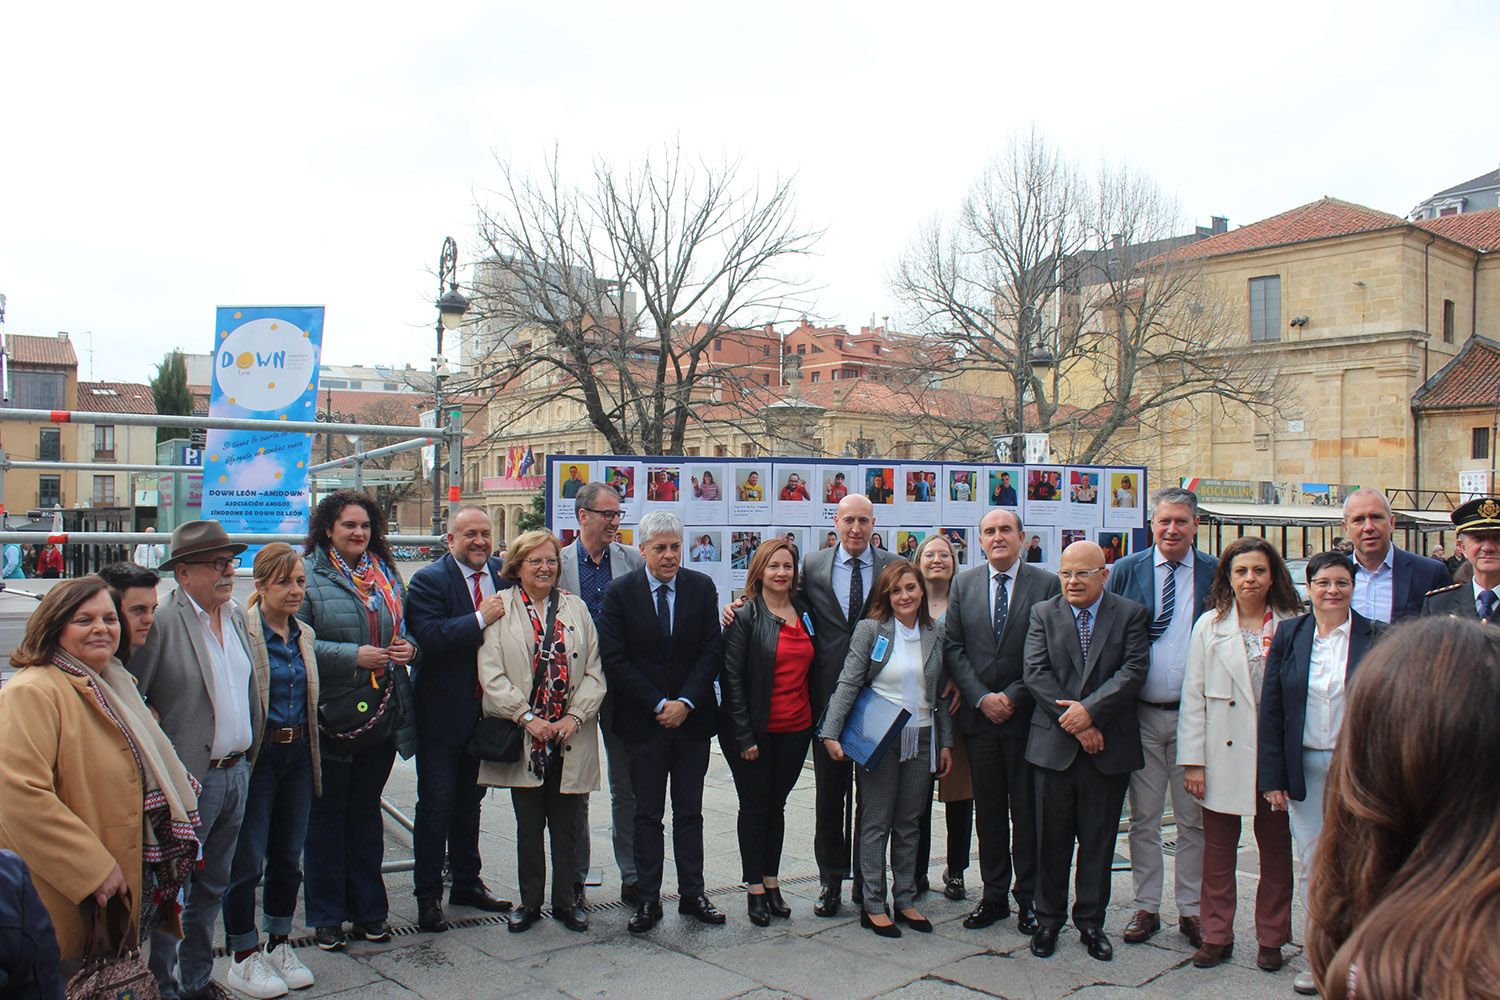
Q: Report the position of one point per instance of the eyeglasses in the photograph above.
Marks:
(608, 515)
(1078, 574)
(537, 562)
(219, 565)
(1338, 583)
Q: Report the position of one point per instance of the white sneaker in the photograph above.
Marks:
(285, 963)
(1305, 985)
(254, 977)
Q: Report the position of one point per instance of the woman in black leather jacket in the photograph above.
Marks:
(767, 715)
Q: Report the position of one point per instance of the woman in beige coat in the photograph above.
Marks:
(1251, 594)
(551, 683)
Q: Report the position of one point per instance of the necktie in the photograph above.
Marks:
(1002, 606)
(478, 594)
(856, 591)
(1168, 602)
(663, 612)
(1486, 603)
(1085, 632)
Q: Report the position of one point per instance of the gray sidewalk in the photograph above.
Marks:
(805, 956)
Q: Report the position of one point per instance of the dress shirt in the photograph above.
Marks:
(1325, 687)
(1010, 595)
(229, 665)
(286, 702)
(1479, 590)
(1169, 653)
(842, 568)
(906, 658)
(1374, 592)
(671, 616)
(593, 579)
(486, 586)
(1092, 609)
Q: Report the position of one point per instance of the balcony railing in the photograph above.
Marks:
(104, 454)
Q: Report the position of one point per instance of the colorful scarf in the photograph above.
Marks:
(375, 582)
(549, 699)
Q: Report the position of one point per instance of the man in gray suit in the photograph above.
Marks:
(989, 608)
(1087, 654)
(589, 563)
(837, 584)
(196, 673)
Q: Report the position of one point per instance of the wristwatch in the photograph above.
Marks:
(530, 715)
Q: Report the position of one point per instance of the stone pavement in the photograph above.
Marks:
(805, 956)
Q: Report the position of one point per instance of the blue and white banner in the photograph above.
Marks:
(265, 367)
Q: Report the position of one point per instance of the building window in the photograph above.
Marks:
(37, 390)
(1448, 321)
(49, 445)
(104, 491)
(719, 343)
(838, 342)
(693, 451)
(765, 380)
(721, 451)
(747, 450)
(817, 376)
(48, 491)
(801, 348)
(1481, 443)
(1265, 308)
(104, 442)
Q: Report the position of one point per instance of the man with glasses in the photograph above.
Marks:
(194, 671)
(589, 563)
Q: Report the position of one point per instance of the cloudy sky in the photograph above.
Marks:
(159, 160)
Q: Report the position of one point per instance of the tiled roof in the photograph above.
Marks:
(1319, 220)
(24, 349)
(1477, 230)
(1471, 379)
(115, 397)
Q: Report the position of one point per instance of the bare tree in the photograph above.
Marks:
(611, 294)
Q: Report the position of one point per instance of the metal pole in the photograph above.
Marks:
(390, 449)
(153, 538)
(328, 413)
(102, 467)
(455, 458)
(437, 422)
(211, 423)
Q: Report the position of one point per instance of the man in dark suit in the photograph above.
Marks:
(989, 607)
(1170, 580)
(1389, 583)
(837, 583)
(449, 604)
(1478, 524)
(659, 642)
(1087, 655)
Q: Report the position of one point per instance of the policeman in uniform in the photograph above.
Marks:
(1478, 528)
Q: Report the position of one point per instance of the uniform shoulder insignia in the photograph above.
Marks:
(1444, 590)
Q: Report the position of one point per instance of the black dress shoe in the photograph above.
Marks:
(759, 909)
(1044, 942)
(478, 897)
(919, 924)
(1097, 944)
(776, 903)
(630, 894)
(700, 909)
(571, 917)
(953, 886)
(828, 900)
(1027, 922)
(884, 930)
(521, 919)
(330, 938)
(430, 917)
(375, 930)
(646, 917)
(986, 913)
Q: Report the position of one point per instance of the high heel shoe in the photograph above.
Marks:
(760, 911)
(775, 903)
(884, 930)
(919, 923)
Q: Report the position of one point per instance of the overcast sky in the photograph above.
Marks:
(159, 160)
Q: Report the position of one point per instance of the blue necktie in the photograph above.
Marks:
(1002, 606)
(1486, 603)
(663, 612)
(1168, 603)
(1085, 632)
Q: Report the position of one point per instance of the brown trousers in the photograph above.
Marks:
(1273, 896)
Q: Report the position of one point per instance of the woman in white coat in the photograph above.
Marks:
(1251, 594)
(549, 681)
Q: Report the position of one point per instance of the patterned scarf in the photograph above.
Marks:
(375, 582)
(549, 699)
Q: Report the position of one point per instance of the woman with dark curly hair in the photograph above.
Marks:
(1405, 893)
(355, 605)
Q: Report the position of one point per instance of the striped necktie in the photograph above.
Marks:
(1168, 602)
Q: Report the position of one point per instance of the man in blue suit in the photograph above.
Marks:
(1171, 580)
(1389, 583)
(449, 604)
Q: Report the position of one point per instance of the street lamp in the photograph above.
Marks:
(451, 305)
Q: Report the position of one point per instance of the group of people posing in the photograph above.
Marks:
(206, 749)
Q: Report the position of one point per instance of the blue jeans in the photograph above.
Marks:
(221, 807)
(346, 841)
(447, 822)
(271, 839)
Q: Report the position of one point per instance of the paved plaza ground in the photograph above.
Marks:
(805, 956)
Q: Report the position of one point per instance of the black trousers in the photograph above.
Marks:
(959, 819)
(547, 810)
(1005, 813)
(669, 755)
(832, 804)
(763, 785)
(1076, 805)
(447, 820)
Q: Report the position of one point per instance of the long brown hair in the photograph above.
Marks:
(880, 601)
(756, 574)
(1281, 598)
(45, 626)
(1405, 886)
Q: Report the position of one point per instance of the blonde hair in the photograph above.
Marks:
(522, 546)
(276, 561)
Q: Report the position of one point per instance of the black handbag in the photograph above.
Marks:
(500, 740)
(364, 717)
(112, 964)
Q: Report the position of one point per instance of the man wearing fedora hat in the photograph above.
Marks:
(195, 671)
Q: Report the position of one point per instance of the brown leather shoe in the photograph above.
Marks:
(1269, 959)
(1210, 955)
(1192, 929)
(1141, 927)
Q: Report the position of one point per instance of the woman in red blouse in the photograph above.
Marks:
(767, 720)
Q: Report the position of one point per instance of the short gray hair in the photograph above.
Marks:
(658, 522)
(589, 492)
(1173, 494)
(1365, 491)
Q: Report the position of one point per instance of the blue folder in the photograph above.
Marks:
(874, 723)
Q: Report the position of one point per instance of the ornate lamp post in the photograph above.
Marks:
(451, 305)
